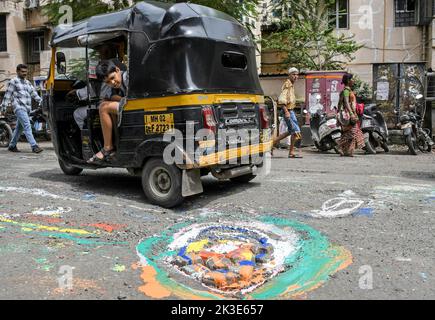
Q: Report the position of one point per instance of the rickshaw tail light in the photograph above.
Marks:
(209, 120)
(264, 118)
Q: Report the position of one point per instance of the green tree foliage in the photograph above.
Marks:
(83, 9)
(362, 90)
(307, 37)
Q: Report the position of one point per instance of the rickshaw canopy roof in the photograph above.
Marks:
(158, 21)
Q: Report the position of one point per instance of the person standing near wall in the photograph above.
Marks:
(287, 101)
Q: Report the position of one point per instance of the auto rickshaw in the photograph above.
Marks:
(193, 85)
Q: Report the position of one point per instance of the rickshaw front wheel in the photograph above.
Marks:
(162, 183)
(69, 170)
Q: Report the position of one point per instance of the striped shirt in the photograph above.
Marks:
(20, 92)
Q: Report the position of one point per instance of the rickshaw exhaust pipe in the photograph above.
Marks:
(232, 173)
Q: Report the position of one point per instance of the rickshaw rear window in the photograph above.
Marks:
(234, 60)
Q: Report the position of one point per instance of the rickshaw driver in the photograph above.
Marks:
(112, 76)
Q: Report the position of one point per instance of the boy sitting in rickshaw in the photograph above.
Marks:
(117, 80)
(108, 51)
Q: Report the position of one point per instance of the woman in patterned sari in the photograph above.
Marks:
(352, 136)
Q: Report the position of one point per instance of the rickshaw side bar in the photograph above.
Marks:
(50, 80)
(229, 154)
(161, 104)
(226, 155)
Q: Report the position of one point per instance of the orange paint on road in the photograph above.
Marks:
(152, 287)
(106, 227)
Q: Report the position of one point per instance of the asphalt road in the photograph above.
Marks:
(378, 210)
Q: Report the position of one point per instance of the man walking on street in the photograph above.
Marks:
(20, 92)
(287, 100)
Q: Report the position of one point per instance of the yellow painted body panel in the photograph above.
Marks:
(163, 103)
(226, 155)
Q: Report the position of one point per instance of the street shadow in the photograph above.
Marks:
(213, 190)
(429, 176)
(117, 183)
(105, 183)
(398, 153)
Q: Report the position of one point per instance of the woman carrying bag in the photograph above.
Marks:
(352, 136)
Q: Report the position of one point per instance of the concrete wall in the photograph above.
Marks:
(272, 87)
(372, 23)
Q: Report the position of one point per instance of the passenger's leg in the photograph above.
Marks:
(106, 122)
(106, 108)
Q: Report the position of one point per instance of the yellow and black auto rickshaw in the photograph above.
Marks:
(194, 104)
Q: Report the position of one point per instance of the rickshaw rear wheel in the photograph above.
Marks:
(162, 183)
(69, 170)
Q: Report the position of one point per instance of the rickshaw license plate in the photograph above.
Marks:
(159, 123)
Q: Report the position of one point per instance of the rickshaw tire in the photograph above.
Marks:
(243, 179)
(174, 198)
(69, 170)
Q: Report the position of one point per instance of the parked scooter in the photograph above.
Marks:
(375, 129)
(5, 131)
(325, 130)
(416, 137)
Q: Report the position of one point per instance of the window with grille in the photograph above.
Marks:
(36, 44)
(3, 38)
(404, 13)
(339, 14)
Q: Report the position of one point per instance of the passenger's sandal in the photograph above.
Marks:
(106, 155)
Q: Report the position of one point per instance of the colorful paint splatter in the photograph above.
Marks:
(77, 235)
(265, 259)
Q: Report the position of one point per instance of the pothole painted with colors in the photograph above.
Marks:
(268, 258)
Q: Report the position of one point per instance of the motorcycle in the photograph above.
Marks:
(5, 131)
(39, 124)
(374, 128)
(416, 137)
(325, 130)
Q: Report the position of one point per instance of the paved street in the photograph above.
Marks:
(377, 211)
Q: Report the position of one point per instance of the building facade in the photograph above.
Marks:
(24, 35)
(389, 30)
